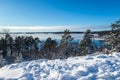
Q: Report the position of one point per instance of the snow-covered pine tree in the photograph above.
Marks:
(66, 37)
(19, 58)
(3, 44)
(37, 48)
(3, 61)
(113, 39)
(65, 48)
(1, 58)
(86, 44)
(49, 48)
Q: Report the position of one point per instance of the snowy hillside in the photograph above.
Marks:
(91, 67)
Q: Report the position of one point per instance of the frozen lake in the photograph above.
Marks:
(43, 36)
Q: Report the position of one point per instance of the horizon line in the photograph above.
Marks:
(54, 28)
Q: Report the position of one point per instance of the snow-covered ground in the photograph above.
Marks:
(91, 67)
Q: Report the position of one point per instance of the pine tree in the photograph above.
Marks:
(113, 39)
(86, 44)
(49, 48)
(1, 58)
(3, 44)
(19, 58)
(66, 37)
(65, 47)
(3, 61)
(37, 48)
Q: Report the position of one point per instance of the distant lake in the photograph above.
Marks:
(43, 36)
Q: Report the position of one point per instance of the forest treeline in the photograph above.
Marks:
(22, 48)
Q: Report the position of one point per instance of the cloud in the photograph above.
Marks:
(52, 28)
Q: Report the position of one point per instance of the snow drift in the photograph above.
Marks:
(91, 67)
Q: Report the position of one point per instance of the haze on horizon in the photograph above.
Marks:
(57, 15)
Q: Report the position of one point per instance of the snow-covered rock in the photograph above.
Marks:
(91, 67)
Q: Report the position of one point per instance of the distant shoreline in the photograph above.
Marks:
(76, 32)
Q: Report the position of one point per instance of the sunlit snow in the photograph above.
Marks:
(92, 67)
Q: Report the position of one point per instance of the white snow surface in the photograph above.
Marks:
(92, 67)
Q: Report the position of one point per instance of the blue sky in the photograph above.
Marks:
(77, 14)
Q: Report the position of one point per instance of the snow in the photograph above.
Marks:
(96, 66)
(10, 72)
(44, 36)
